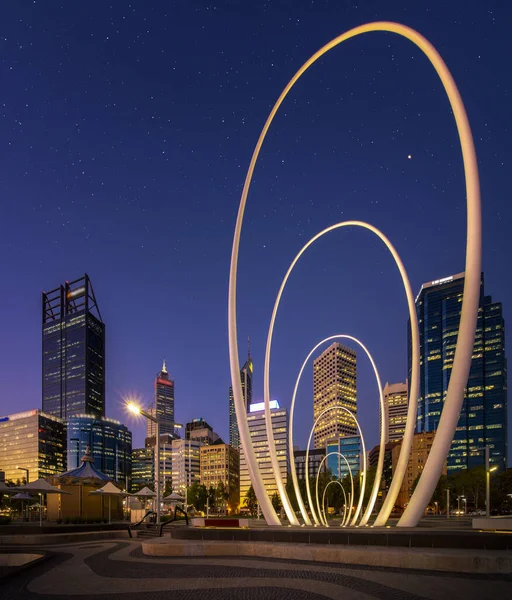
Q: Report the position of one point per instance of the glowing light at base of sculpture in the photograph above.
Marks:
(318, 475)
(463, 353)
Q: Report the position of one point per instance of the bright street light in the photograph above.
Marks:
(133, 408)
(137, 410)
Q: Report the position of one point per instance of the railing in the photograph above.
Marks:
(177, 509)
(133, 525)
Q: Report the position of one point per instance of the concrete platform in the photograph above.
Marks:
(493, 523)
(460, 561)
(46, 539)
(365, 536)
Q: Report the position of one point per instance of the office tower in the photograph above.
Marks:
(110, 444)
(246, 381)
(256, 422)
(143, 469)
(162, 408)
(32, 440)
(396, 405)
(421, 445)
(350, 447)
(483, 417)
(200, 431)
(220, 463)
(316, 455)
(185, 464)
(334, 384)
(73, 351)
(165, 470)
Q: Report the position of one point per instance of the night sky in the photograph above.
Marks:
(126, 130)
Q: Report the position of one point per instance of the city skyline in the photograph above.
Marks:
(185, 324)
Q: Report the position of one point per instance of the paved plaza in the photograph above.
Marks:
(118, 570)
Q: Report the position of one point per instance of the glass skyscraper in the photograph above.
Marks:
(483, 417)
(73, 351)
(350, 447)
(163, 406)
(110, 443)
(246, 381)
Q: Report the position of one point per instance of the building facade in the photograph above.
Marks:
(334, 385)
(200, 431)
(395, 404)
(246, 381)
(186, 464)
(421, 445)
(256, 422)
(483, 417)
(220, 463)
(316, 456)
(166, 440)
(162, 408)
(350, 447)
(143, 469)
(32, 440)
(110, 443)
(73, 351)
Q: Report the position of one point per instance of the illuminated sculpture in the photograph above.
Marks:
(465, 340)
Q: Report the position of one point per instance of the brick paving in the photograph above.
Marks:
(118, 570)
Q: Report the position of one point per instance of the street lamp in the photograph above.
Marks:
(137, 410)
(488, 471)
(26, 471)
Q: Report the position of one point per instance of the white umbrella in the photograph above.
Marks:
(22, 496)
(41, 487)
(109, 490)
(174, 497)
(145, 492)
(5, 489)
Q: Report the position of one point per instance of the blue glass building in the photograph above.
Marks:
(110, 443)
(483, 418)
(350, 447)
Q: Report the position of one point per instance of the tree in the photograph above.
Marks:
(276, 502)
(196, 496)
(167, 488)
(251, 501)
(221, 496)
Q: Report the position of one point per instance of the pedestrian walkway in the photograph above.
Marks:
(116, 570)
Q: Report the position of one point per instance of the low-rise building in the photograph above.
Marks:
(220, 464)
(32, 440)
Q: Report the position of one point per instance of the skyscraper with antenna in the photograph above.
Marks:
(246, 381)
(162, 407)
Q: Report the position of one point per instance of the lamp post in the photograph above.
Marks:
(447, 503)
(26, 471)
(137, 410)
(488, 471)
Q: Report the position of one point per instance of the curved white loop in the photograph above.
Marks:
(466, 336)
(318, 475)
(413, 392)
(344, 506)
(363, 449)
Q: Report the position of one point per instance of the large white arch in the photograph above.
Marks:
(466, 337)
(363, 449)
(318, 475)
(413, 391)
(344, 507)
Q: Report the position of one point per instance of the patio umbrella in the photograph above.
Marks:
(21, 496)
(174, 497)
(5, 489)
(145, 492)
(109, 490)
(41, 487)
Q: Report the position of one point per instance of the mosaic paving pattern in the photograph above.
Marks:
(116, 570)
